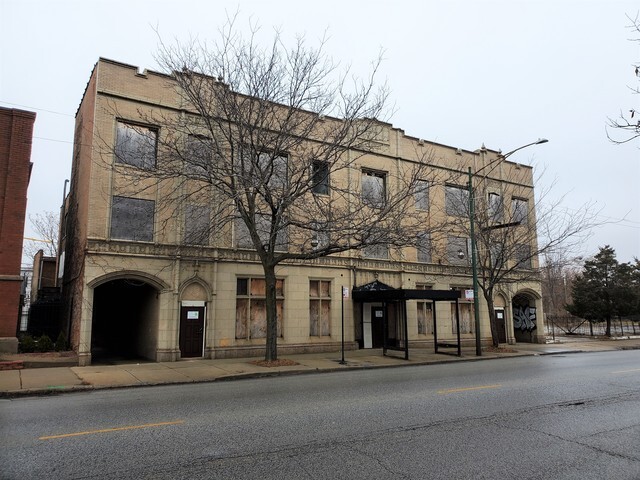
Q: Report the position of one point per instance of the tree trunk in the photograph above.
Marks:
(608, 329)
(271, 350)
(621, 326)
(488, 296)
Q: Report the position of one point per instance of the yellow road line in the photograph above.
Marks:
(628, 371)
(466, 389)
(106, 430)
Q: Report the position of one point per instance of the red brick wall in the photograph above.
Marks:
(16, 133)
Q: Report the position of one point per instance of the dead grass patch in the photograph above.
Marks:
(274, 363)
(499, 350)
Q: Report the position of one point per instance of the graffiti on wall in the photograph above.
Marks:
(524, 318)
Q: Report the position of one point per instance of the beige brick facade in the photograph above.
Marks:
(139, 293)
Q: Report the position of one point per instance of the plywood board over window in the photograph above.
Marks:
(457, 250)
(422, 195)
(196, 224)
(319, 308)
(425, 313)
(135, 145)
(376, 251)
(495, 207)
(520, 210)
(456, 200)
(263, 228)
(466, 318)
(132, 219)
(424, 247)
(251, 307)
(374, 192)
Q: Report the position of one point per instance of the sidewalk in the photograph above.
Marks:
(56, 379)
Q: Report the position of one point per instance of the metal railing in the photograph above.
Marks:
(568, 325)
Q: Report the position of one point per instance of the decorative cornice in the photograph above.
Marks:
(212, 254)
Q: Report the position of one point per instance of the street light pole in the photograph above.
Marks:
(474, 264)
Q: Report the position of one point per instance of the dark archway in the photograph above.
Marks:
(525, 322)
(124, 322)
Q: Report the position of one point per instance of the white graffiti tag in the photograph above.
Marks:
(524, 318)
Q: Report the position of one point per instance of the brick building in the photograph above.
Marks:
(16, 133)
(139, 282)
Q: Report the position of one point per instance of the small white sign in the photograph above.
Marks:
(379, 314)
(345, 292)
(468, 294)
(193, 315)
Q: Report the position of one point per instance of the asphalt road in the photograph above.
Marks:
(551, 417)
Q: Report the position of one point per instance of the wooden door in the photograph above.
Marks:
(502, 329)
(191, 332)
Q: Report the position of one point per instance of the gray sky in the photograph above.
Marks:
(462, 73)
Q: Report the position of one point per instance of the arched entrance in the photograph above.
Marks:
(124, 321)
(193, 320)
(525, 322)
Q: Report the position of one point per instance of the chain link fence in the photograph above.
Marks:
(568, 325)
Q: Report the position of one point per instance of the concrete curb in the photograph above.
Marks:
(253, 375)
(304, 370)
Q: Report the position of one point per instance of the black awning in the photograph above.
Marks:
(380, 292)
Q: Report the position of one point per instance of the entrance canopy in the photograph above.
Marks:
(377, 291)
(380, 292)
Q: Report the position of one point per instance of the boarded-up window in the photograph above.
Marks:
(136, 145)
(466, 317)
(319, 308)
(519, 210)
(456, 200)
(422, 195)
(424, 248)
(522, 255)
(198, 156)
(262, 170)
(380, 251)
(457, 250)
(425, 313)
(374, 188)
(196, 225)
(497, 252)
(320, 235)
(494, 207)
(132, 219)
(242, 238)
(251, 307)
(274, 169)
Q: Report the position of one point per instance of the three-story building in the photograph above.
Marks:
(142, 278)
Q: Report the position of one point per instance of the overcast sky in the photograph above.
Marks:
(462, 73)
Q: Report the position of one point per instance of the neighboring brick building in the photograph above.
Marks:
(135, 285)
(16, 133)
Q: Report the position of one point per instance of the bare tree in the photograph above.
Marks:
(558, 271)
(629, 124)
(46, 226)
(272, 139)
(512, 229)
